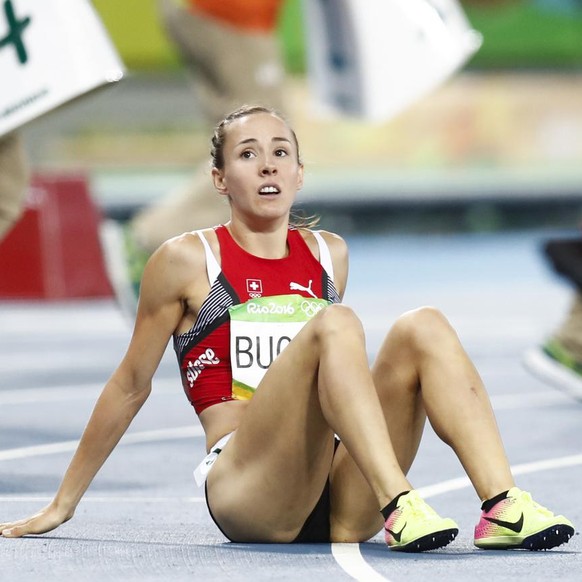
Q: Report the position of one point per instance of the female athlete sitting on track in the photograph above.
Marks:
(233, 297)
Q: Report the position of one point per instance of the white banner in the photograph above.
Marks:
(51, 51)
(374, 58)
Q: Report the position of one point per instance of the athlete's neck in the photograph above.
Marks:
(267, 244)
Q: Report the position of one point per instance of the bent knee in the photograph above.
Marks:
(425, 327)
(338, 318)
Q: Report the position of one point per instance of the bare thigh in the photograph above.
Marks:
(268, 479)
(282, 452)
(421, 372)
(355, 515)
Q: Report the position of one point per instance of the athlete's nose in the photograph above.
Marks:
(268, 169)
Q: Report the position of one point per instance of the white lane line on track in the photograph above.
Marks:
(165, 386)
(164, 434)
(78, 392)
(522, 469)
(348, 556)
(351, 561)
(425, 492)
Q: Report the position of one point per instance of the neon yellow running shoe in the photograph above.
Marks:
(519, 522)
(414, 526)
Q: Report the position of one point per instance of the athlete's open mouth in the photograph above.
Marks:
(269, 190)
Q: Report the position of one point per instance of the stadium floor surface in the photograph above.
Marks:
(143, 517)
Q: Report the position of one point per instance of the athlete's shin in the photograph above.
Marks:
(350, 403)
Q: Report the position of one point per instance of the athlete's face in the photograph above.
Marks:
(261, 172)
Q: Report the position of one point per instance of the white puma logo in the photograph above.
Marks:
(297, 287)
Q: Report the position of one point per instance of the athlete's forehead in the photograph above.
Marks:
(258, 127)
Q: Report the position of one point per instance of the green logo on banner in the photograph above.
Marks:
(15, 29)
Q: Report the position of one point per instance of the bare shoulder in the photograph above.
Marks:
(172, 257)
(185, 251)
(175, 266)
(336, 244)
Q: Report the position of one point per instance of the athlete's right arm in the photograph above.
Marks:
(169, 278)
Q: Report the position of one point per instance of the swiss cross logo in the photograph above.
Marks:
(254, 287)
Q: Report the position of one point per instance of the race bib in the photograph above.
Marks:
(260, 329)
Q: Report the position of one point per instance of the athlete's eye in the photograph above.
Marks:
(280, 153)
(247, 154)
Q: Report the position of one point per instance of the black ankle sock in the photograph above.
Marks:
(489, 503)
(386, 511)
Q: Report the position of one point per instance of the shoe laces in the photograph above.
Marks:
(418, 507)
(526, 498)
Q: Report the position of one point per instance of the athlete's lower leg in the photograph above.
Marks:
(449, 389)
(350, 403)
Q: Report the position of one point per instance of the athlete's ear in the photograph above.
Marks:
(300, 177)
(218, 180)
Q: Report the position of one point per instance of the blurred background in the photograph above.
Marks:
(498, 146)
(447, 204)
